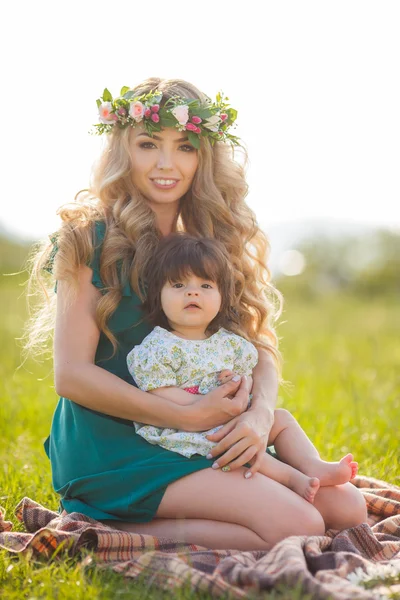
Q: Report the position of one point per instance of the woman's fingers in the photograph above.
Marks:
(237, 456)
(220, 434)
(236, 438)
(256, 464)
(245, 457)
(224, 373)
(232, 406)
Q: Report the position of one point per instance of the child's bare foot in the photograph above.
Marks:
(304, 486)
(332, 473)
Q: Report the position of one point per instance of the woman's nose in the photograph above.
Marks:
(165, 160)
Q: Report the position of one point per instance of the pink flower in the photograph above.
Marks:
(191, 127)
(155, 108)
(147, 113)
(181, 113)
(122, 111)
(155, 117)
(198, 130)
(136, 111)
(224, 116)
(105, 114)
(196, 120)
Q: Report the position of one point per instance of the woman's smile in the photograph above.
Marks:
(165, 184)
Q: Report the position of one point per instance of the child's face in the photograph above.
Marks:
(177, 298)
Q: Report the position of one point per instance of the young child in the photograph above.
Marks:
(192, 349)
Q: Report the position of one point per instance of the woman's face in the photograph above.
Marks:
(157, 160)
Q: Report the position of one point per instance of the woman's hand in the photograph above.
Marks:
(218, 406)
(243, 440)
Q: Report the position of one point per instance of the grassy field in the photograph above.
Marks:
(341, 359)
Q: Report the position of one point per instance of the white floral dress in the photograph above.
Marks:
(164, 359)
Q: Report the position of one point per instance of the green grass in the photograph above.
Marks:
(341, 359)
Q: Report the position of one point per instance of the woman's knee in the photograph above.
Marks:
(342, 506)
(301, 519)
(357, 505)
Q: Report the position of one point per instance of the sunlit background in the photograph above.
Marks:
(315, 84)
(317, 89)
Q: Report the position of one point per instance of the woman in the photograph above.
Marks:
(146, 186)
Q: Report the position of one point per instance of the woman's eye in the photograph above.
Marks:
(187, 147)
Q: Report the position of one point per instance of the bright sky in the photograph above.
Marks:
(316, 85)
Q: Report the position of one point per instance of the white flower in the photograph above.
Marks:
(384, 573)
(136, 111)
(181, 113)
(356, 576)
(212, 123)
(105, 114)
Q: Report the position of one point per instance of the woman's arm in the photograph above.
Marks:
(79, 379)
(265, 387)
(180, 396)
(176, 395)
(244, 439)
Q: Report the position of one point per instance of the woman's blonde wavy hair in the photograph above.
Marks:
(213, 207)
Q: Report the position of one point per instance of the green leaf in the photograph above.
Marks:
(232, 114)
(124, 90)
(107, 96)
(203, 113)
(129, 95)
(164, 114)
(194, 139)
(98, 102)
(168, 121)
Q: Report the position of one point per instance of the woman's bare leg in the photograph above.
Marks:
(203, 532)
(341, 506)
(295, 448)
(268, 509)
(250, 514)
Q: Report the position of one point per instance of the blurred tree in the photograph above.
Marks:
(367, 265)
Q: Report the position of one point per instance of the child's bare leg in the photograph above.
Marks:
(294, 447)
(304, 486)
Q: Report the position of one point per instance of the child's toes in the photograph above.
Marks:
(347, 459)
(354, 469)
(312, 489)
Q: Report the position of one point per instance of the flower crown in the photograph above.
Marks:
(198, 119)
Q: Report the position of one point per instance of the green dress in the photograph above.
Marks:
(100, 466)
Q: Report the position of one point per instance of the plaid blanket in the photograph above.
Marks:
(319, 566)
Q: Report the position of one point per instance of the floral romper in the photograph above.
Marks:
(164, 359)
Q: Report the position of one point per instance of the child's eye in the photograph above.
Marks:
(208, 285)
(177, 285)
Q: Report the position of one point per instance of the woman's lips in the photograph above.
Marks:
(165, 187)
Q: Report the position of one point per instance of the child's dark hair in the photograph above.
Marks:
(179, 255)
